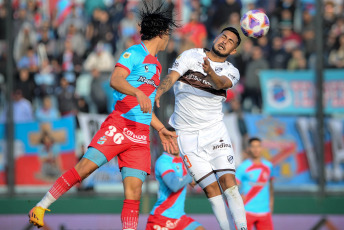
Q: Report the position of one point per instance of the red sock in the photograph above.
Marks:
(130, 214)
(64, 183)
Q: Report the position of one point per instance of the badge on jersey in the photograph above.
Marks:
(126, 55)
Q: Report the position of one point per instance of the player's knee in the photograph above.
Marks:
(212, 190)
(227, 181)
(85, 167)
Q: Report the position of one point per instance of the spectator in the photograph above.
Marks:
(251, 82)
(82, 105)
(98, 95)
(290, 39)
(224, 11)
(103, 32)
(22, 109)
(69, 60)
(101, 59)
(297, 60)
(77, 40)
(244, 57)
(25, 84)
(47, 112)
(48, 41)
(194, 32)
(278, 58)
(26, 38)
(66, 98)
(29, 61)
(336, 58)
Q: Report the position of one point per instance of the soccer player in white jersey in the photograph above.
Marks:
(201, 78)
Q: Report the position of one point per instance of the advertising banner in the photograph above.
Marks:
(42, 151)
(290, 143)
(294, 92)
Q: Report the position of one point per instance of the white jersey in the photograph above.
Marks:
(198, 104)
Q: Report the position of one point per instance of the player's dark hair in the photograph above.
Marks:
(252, 139)
(155, 22)
(233, 30)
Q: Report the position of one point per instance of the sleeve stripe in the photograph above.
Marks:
(123, 66)
(167, 171)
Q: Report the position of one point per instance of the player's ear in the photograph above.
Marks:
(233, 52)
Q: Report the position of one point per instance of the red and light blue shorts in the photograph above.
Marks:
(260, 221)
(126, 139)
(161, 222)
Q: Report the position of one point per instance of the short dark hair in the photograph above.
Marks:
(155, 22)
(235, 31)
(253, 139)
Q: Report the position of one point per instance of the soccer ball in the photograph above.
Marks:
(255, 24)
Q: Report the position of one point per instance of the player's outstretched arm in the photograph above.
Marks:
(118, 82)
(165, 85)
(175, 182)
(168, 138)
(219, 82)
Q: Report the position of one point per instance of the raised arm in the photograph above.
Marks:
(118, 82)
(165, 85)
(219, 82)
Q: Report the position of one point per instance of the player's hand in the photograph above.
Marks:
(206, 66)
(193, 184)
(144, 102)
(168, 141)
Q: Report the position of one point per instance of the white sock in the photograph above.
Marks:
(229, 215)
(220, 211)
(46, 201)
(236, 206)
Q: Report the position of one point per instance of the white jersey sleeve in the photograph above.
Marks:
(233, 75)
(182, 63)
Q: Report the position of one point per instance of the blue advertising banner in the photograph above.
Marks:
(42, 151)
(290, 144)
(293, 92)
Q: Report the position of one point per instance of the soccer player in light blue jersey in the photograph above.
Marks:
(125, 132)
(255, 177)
(168, 212)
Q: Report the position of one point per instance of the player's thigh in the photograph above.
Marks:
(136, 157)
(109, 140)
(264, 222)
(222, 155)
(251, 219)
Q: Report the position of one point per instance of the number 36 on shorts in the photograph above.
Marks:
(117, 137)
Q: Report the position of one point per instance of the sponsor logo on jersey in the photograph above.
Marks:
(147, 81)
(222, 146)
(218, 69)
(175, 64)
(194, 77)
(134, 137)
(126, 55)
(102, 140)
(146, 68)
(230, 159)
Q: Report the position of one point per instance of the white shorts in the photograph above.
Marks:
(207, 153)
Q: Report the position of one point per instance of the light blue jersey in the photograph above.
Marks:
(254, 180)
(170, 204)
(144, 73)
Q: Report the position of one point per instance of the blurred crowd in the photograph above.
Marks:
(64, 50)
